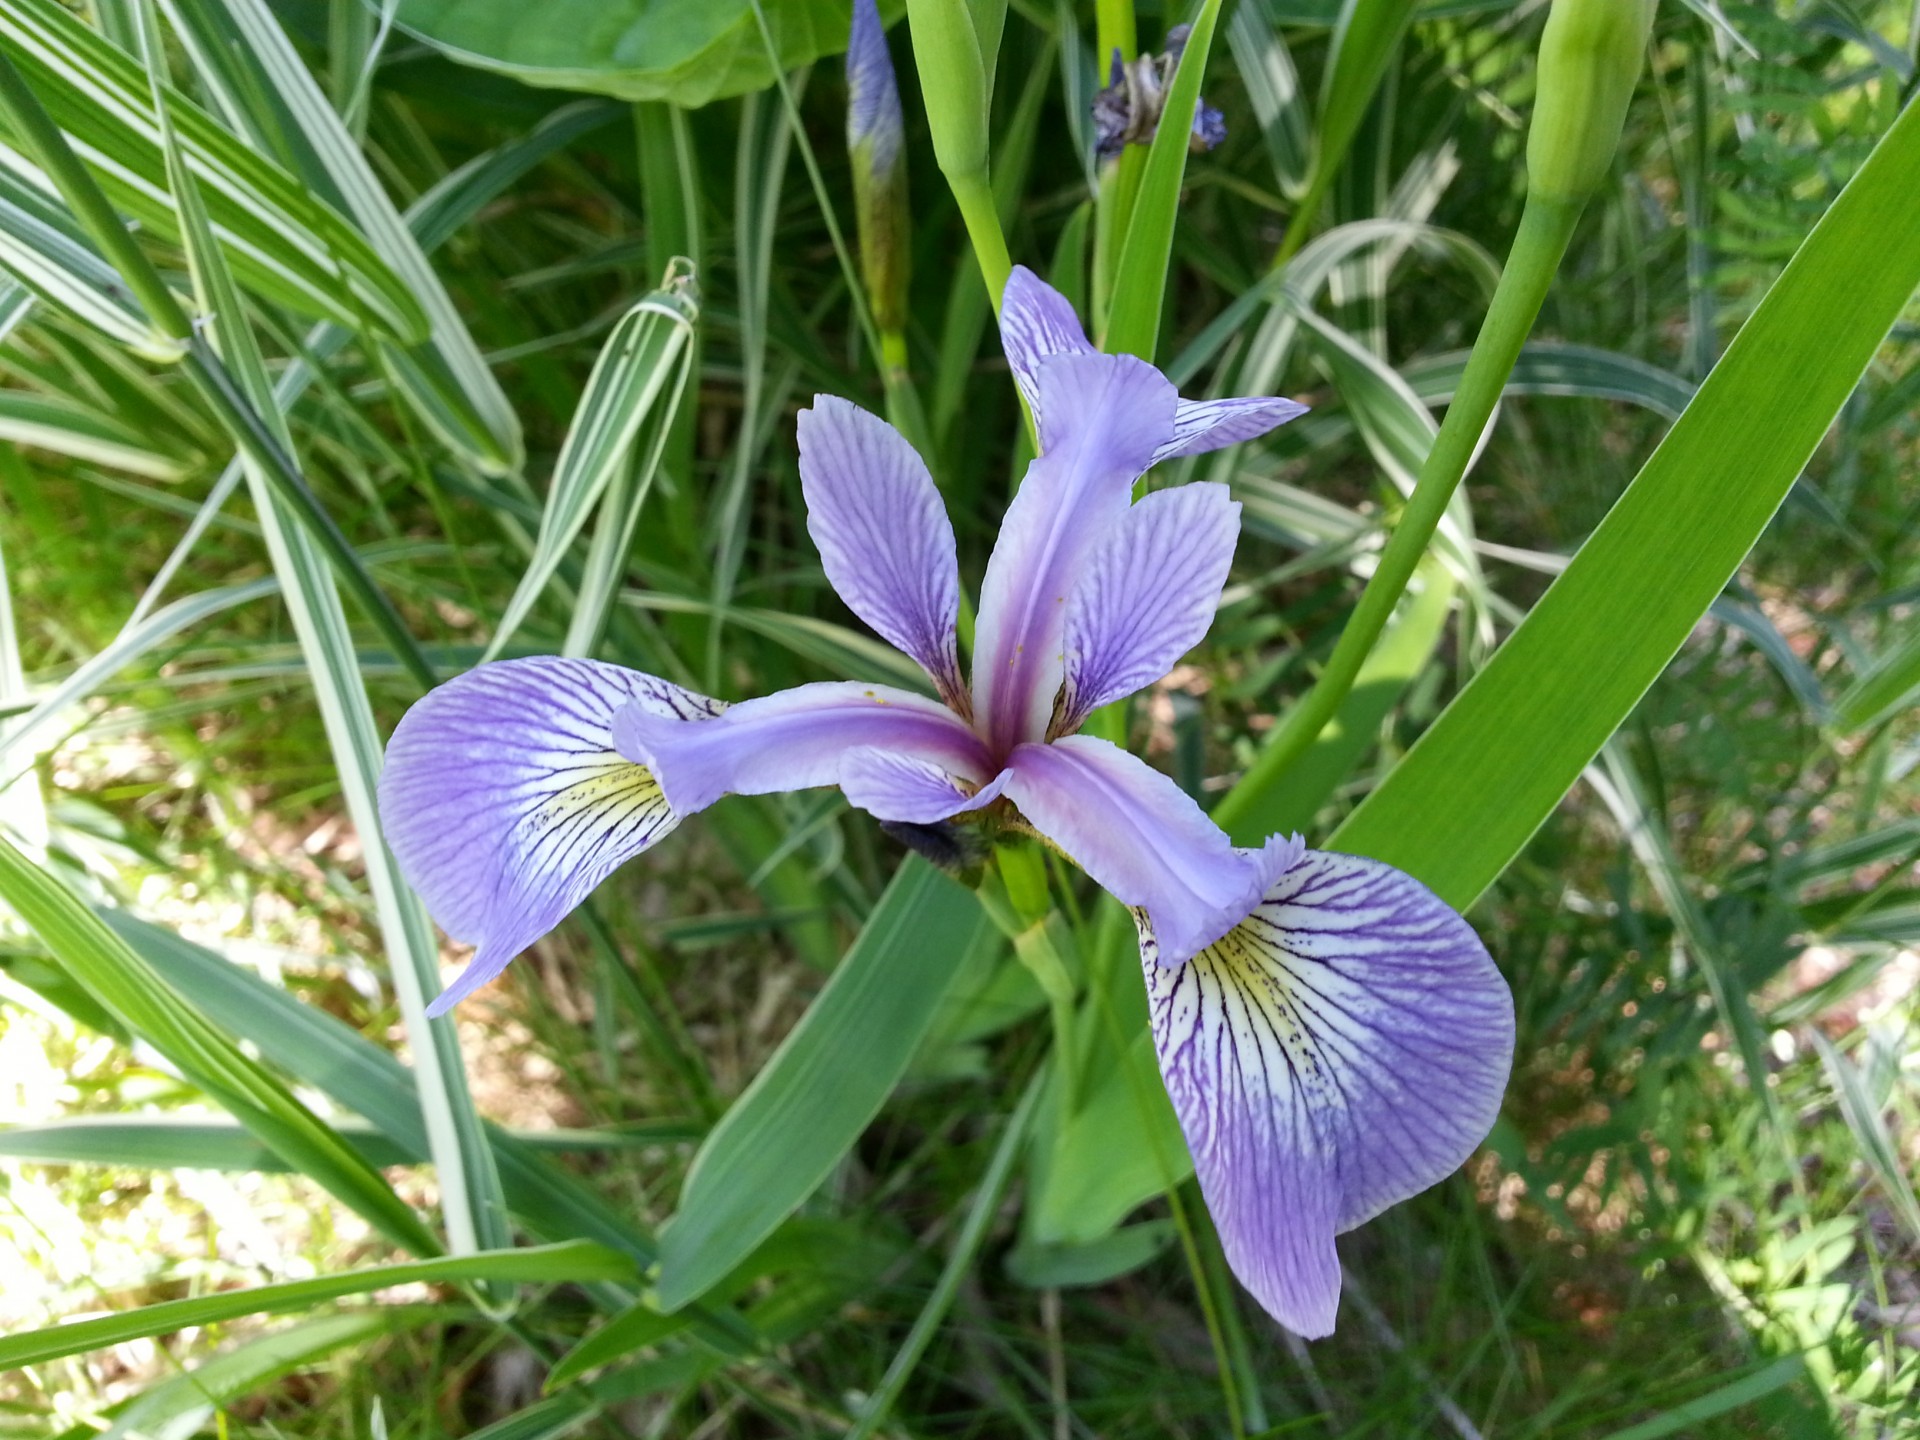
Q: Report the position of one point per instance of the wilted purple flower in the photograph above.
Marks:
(1333, 1037)
(1128, 111)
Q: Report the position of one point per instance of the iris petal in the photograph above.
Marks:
(795, 740)
(1202, 425)
(1142, 839)
(505, 802)
(1036, 323)
(903, 789)
(1344, 1047)
(1104, 417)
(883, 534)
(1146, 596)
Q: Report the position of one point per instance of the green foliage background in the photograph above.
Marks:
(1697, 1214)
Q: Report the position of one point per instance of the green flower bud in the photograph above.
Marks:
(954, 81)
(1590, 58)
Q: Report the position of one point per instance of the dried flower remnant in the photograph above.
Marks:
(1128, 111)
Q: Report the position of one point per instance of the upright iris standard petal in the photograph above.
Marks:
(883, 535)
(506, 803)
(1036, 323)
(906, 790)
(1202, 425)
(1343, 1048)
(1146, 596)
(1143, 839)
(1103, 416)
(794, 740)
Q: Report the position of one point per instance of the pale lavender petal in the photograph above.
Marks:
(892, 786)
(883, 534)
(1147, 595)
(1104, 416)
(1202, 425)
(1036, 323)
(1143, 839)
(795, 740)
(1344, 1047)
(505, 802)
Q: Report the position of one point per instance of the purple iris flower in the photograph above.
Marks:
(1334, 1038)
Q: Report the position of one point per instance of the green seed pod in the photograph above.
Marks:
(1590, 58)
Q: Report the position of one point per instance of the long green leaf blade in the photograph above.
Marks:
(824, 1084)
(1491, 769)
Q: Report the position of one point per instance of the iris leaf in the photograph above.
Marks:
(824, 1084)
(1491, 769)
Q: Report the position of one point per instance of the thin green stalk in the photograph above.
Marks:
(1113, 30)
(856, 292)
(982, 219)
(1545, 228)
(986, 1204)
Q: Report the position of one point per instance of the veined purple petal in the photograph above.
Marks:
(883, 534)
(1101, 420)
(1142, 839)
(1202, 425)
(873, 97)
(506, 803)
(1344, 1047)
(1146, 596)
(794, 740)
(891, 786)
(1036, 323)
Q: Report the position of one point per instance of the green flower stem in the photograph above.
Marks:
(1113, 30)
(1546, 225)
(982, 218)
(1112, 215)
(243, 424)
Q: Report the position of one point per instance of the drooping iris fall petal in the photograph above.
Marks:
(505, 802)
(1143, 839)
(1342, 1048)
(794, 740)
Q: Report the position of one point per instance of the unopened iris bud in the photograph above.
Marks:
(1590, 58)
(875, 140)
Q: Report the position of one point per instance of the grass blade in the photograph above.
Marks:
(127, 987)
(470, 1186)
(282, 240)
(486, 416)
(642, 361)
(574, 1262)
